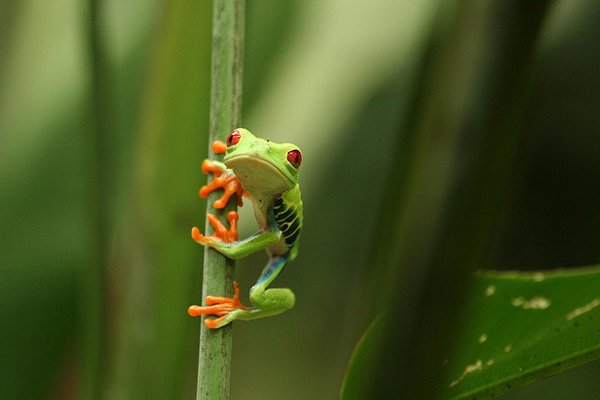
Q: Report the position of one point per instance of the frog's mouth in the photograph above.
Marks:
(259, 175)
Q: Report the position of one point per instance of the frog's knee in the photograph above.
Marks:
(272, 299)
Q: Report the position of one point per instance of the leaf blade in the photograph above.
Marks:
(519, 328)
(365, 353)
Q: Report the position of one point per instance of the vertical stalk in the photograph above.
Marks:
(214, 363)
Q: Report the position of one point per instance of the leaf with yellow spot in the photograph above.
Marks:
(535, 324)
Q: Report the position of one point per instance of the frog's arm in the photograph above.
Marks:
(221, 240)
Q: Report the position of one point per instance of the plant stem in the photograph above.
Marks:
(214, 362)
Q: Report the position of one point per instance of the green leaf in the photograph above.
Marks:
(364, 356)
(519, 328)
(155, 270)
(516, 328)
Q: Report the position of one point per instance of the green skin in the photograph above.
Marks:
(263, 170)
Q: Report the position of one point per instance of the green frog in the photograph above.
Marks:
(267, 173)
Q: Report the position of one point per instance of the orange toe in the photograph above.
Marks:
(194, 311)
(212, 323)
(212, 300)
(196, 235)
(219, 305)
(219, 147)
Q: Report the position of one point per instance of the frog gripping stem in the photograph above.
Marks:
(221, 234)
(222, 307)
(223, 180)
(270, 171)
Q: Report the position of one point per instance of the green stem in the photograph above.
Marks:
(214, 362)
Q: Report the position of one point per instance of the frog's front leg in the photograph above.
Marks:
(266, 302)
(225, 241)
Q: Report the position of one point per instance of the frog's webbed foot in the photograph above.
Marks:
(222, 234)
(223, 179)
(225, 308)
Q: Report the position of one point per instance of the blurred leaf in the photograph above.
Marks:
(325, 91)
(579, 383)
(336, 59)
(270, 25)
(519, 328)
(552, 216)
(440, 212)
(157, 266)
(366, 354)
(43, 191)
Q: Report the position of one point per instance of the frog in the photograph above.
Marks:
(266, 173)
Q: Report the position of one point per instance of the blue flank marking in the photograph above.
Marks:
(272, 220)
(274, 265)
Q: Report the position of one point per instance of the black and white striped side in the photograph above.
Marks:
(288, 219)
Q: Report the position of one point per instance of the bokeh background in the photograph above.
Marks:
(412, 116)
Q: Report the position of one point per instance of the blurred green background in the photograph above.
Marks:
(412, 117)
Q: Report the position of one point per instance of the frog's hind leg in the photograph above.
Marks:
(265, 302)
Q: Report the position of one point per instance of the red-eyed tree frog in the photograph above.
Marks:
(267, 173)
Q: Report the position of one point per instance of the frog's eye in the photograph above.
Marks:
(233, 138)
(294, 157)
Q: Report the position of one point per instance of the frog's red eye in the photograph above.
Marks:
(295, 158)
(233, 138)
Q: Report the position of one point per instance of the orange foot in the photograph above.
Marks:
(222, 180)
(221, 234)
(220, 306)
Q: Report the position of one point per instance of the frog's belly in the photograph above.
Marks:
(261, 208)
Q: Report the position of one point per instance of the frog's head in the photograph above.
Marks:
(261, 166)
